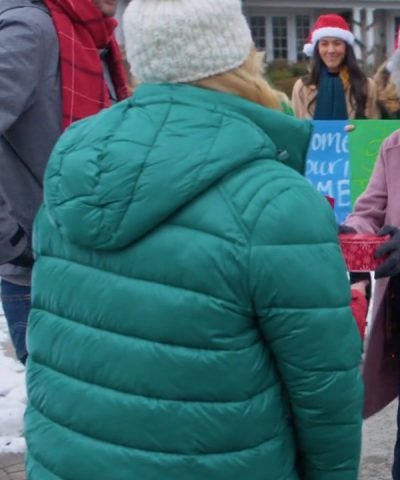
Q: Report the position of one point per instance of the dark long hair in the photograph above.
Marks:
(358, 80)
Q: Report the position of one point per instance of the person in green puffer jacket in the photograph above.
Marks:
(191, 314)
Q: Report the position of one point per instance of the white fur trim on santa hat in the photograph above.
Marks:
(185, 40)
(335, 32)
(308, 49)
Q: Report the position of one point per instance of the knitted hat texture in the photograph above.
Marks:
(184, 40)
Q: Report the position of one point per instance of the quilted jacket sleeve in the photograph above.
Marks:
(301, 297)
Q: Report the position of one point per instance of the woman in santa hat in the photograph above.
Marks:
(336, 88)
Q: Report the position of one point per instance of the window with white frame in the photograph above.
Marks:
(280, 37)
(302, 31)
(257, 27)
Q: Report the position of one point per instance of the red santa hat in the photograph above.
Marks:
(329, 25)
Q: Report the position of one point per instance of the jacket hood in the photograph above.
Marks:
(116, 176)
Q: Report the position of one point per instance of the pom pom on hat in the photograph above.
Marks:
(329, 25)
(308, 48)
(185, 40)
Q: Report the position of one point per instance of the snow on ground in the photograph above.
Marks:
(12, 397)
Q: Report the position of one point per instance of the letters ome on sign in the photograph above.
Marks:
(328, 164)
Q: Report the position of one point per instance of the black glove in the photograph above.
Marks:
(25, 259)
(346, 229)
(391, 266)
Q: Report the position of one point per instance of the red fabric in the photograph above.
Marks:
(359, 307)
(82, 31)
(359, 250)
(331, 201)
(330, 20)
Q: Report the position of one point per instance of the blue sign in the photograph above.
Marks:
(328, 164)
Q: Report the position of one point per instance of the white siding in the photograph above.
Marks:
(383, 30)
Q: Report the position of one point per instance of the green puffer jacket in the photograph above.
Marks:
(191, 314)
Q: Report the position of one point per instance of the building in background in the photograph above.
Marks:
(280, 27)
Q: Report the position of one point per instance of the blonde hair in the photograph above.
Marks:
(388, 88)
(246, 81)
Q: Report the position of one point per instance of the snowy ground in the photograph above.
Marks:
(379, 435)
(12, 397)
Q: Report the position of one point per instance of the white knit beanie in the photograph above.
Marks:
(184, 40)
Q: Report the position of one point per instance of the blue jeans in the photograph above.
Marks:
(16, 300)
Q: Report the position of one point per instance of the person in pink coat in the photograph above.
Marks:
(377, 210)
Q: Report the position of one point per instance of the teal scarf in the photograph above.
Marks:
(331, 100)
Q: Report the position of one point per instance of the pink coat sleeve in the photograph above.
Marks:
(369, 211)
